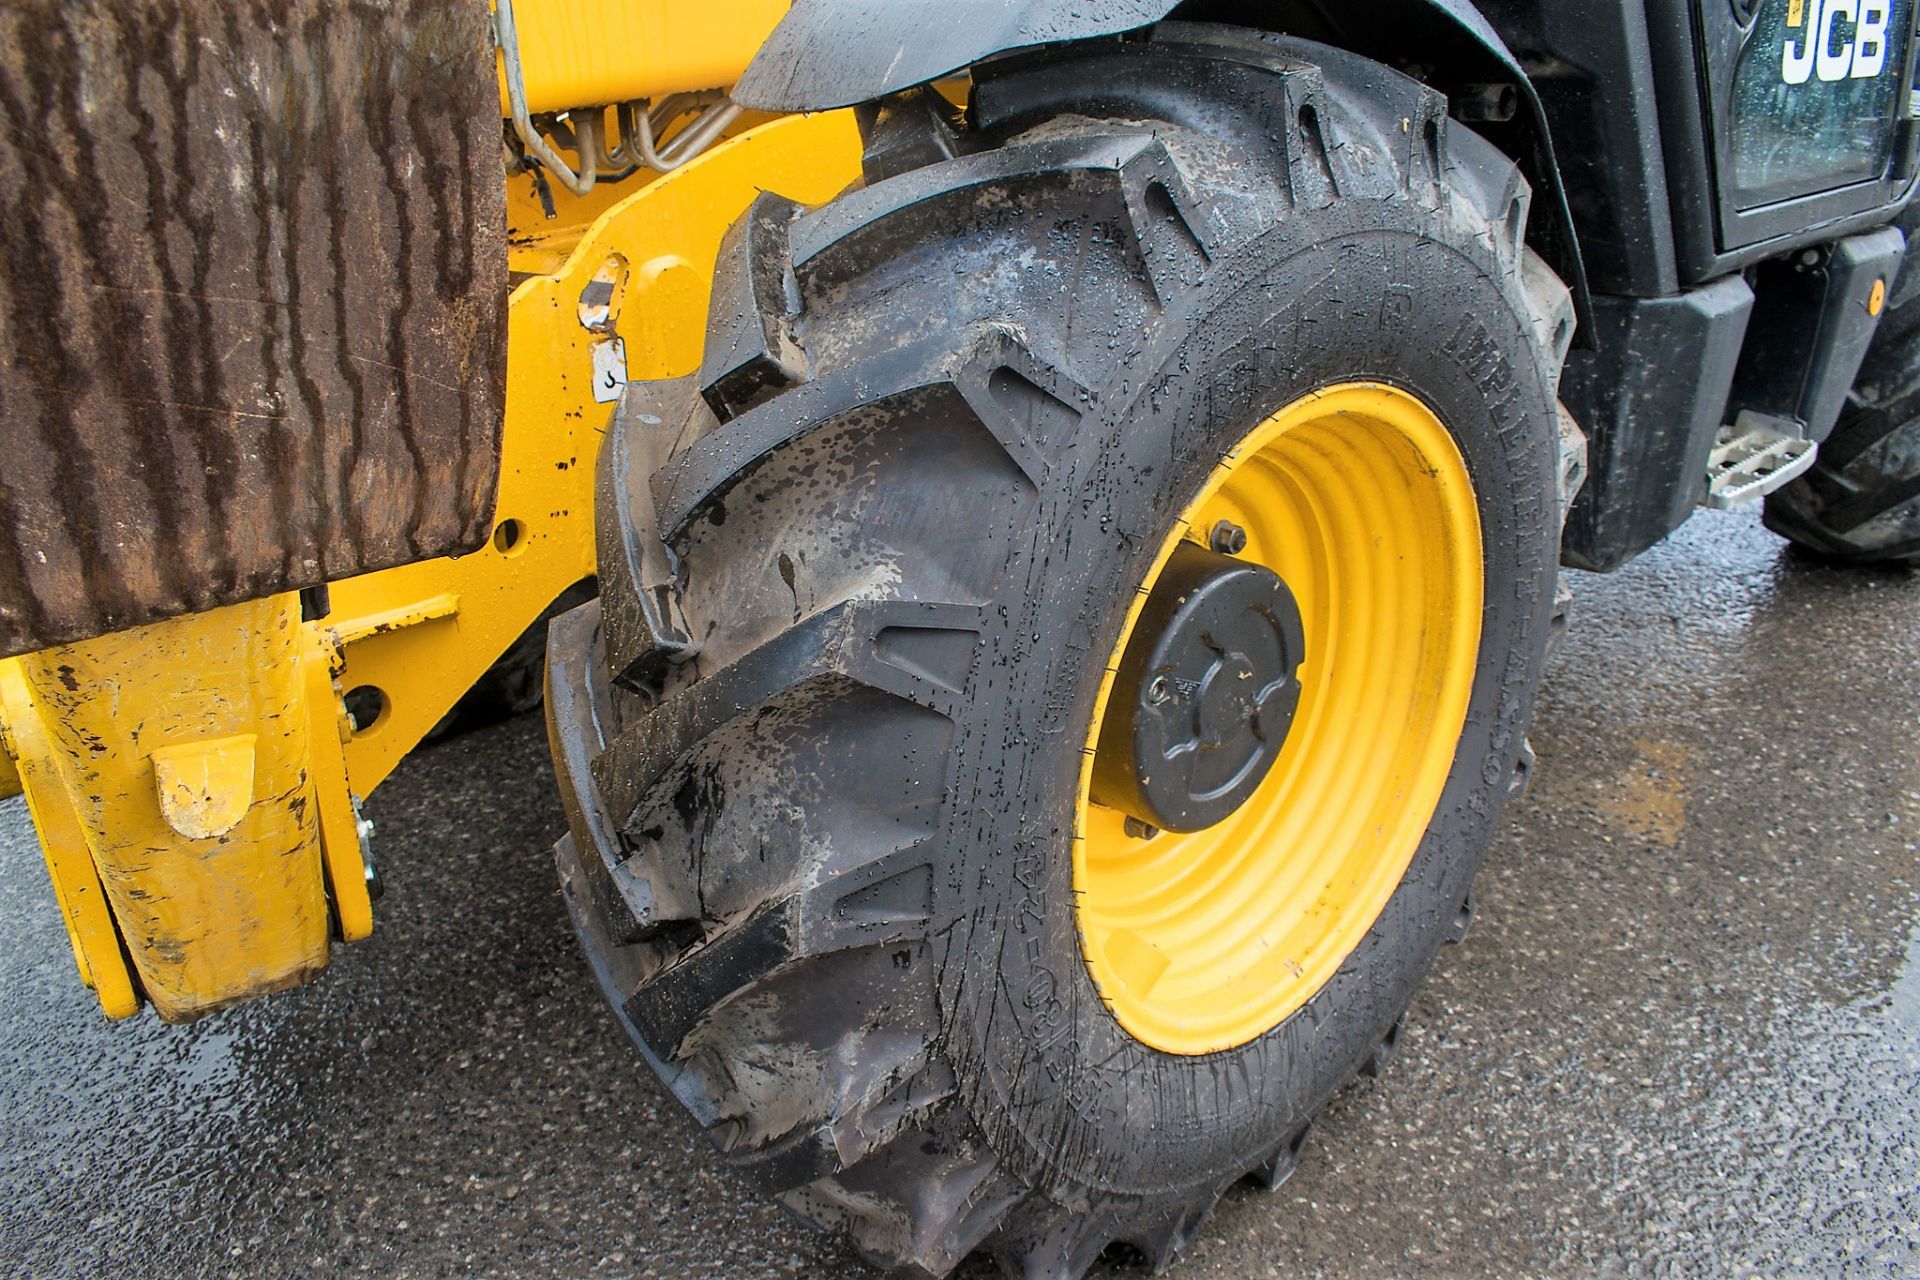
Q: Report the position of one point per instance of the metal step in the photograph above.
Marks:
(1755, 456)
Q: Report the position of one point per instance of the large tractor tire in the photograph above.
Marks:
(1860, 501)
(1062, 659)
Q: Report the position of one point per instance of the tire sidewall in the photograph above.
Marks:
(1387, 291)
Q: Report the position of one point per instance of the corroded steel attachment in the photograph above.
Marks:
(254, 309)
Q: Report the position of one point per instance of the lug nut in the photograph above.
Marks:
(1158, 690)
(1228, 538)
(1139, 830)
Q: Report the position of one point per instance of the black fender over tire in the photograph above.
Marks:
(819, 737)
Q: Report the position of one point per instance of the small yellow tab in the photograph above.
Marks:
(1877, 298)
(205, 787)
(411, 614)
(1136, 961)
(1796, 10)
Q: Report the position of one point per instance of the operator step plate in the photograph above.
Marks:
(1753, 457)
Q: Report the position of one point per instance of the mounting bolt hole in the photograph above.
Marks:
(597, 299)
(367, 708)
(509, 537)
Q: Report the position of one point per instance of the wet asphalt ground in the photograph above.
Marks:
(1682, 1039)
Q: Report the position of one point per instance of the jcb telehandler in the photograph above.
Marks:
(1050, 512)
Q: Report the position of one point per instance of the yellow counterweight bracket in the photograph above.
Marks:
(171, 770)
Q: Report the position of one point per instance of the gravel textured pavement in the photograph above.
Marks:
(1682, 1039)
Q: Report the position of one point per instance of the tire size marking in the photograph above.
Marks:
(1042, 994)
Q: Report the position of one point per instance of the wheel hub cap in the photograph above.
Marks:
(1206, 691)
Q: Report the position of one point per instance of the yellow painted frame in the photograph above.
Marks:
(423, 633)
(582, 53)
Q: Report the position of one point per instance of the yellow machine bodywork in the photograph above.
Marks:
(187, 759)
(196, 782)
(582, 53)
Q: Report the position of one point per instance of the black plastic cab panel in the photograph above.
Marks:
(1650, 395)
(1594, 73)
(1728, 212)
(1816, 314)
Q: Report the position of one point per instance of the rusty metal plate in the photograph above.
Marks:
(252, 300)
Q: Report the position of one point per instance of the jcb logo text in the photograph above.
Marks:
(1837, 40)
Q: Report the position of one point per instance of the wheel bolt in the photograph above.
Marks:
(1228, 538)
(1158, 690)
(1139, 830)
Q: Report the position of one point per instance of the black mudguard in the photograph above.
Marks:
(836, 53)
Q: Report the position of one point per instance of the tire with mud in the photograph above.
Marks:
(821, 739)
(1860, 501)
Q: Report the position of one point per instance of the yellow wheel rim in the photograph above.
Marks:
(1358, 498)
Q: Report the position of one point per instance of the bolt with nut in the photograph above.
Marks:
(1227, 538)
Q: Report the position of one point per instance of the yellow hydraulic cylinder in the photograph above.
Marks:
(183, 749)
(588, 53)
